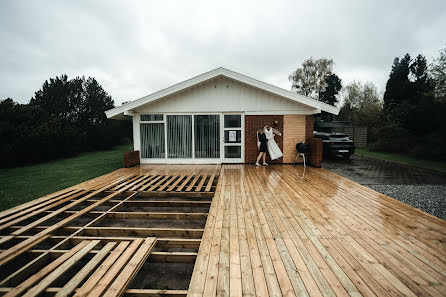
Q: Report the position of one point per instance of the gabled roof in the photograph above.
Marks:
(123, 109)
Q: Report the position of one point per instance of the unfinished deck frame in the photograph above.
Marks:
(269, 232)
(128, 208)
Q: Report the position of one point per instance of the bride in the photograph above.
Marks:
(273, 149)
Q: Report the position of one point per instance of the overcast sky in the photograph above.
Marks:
(134, 48)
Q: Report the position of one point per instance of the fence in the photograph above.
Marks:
(357, 134)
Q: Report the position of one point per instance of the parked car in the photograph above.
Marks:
(336, 144)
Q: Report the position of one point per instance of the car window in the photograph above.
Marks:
(338, 136)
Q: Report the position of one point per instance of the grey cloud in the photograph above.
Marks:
(137, 47)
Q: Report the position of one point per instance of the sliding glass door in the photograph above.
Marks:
(179, 136)
(207, 136)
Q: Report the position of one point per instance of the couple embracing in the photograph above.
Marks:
(266, 143)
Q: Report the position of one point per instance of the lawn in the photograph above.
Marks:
(428, 164)
(22, 184)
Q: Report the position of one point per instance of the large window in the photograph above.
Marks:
(189, 137)
(179, 136)
(152, 140)
(207, 136)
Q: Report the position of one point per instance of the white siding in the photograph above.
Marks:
(226, 95)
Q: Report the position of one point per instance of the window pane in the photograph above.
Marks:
(233, 136)
(233, 121)
(207, 136)
(233, 151)
(179, 136)
(152, 141)
(151, 117)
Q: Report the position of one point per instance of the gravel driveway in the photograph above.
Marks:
(420, 188)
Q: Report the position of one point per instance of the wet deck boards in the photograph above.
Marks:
(271, 232)
(268, 231)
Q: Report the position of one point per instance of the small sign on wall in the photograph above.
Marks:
(232, 136)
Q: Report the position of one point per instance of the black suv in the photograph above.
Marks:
(336, 144)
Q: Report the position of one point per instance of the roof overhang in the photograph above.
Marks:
(127, 108)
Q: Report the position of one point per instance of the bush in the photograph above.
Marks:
(30, 135)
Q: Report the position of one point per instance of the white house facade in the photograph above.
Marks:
(207, 119)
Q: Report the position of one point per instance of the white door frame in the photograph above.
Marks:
(242, 138)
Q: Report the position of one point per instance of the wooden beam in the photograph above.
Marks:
(72, 284)
(129, 272)
(149, 215)
(135, 231)
(173, 257)
(159, 257)
(45, 271)
(127, 293)
(192, 184)
(210, 182)
(161, 203)
(102, 270)
(55, 274)
(189, 243)
(28, 243)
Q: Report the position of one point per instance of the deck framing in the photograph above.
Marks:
(267, 231)
(93, 221)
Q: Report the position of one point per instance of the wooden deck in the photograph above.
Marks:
(271, 232)
(267, 231)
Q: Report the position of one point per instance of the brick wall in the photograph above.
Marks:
(294, 131)
(252, 124)
(315, 155)
(309, 128)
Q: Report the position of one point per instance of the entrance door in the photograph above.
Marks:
(232, 138)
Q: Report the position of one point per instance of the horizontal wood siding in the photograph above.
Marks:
(293, 133)
(225, 95)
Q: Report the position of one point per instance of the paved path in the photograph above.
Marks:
(371, 171)
(420, 188)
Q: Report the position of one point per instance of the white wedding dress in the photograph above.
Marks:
(273, 149)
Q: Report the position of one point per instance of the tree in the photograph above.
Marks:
(310, 79)
(362, 105)
(438, 72)
(422, 85)
(333, 86)
(79, 100)
(398, 84)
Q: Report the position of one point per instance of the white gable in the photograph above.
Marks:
(225, 95)
(223, 90)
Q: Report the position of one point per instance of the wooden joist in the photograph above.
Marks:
(111, 278)
(127, 293)
(78, 225)
(161, 257)
(160, 203)
(189, 243)
(148, 215)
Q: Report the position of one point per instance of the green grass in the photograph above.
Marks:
(404, 159)
(22, 184)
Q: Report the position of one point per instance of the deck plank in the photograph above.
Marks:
(322, 235)
(270, 231)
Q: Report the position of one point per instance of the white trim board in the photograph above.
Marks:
(127, 108)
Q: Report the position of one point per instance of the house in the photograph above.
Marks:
(213, 118)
